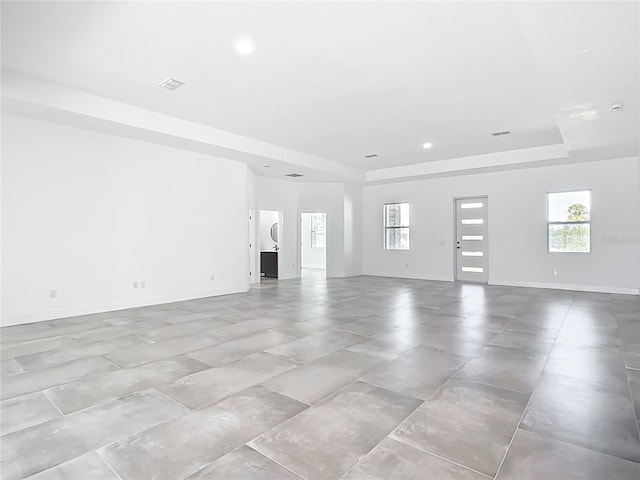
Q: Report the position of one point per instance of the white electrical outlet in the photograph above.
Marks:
(135, 284)
(213, 277)
(143, 284)
(53, 293)
(555, 273)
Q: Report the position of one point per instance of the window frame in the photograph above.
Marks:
(387, 227)
(581, 222)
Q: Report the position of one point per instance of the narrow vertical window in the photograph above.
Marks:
(569, 222)
(396, 226)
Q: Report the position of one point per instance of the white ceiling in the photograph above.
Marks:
(340, 80)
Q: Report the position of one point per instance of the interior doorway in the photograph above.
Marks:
(472, 263)
(313, 245)
(269, 239)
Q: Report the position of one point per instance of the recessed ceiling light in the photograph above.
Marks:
(616, 106)
(427, 145)
(171, 84)
(371, 155)
(293, 175)
(503, 132)
(245, 46)
(266, 165)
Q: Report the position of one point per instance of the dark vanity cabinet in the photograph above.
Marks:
(269, 264)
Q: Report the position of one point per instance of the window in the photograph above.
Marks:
(318, 230)
(396, 226)
(569, 221)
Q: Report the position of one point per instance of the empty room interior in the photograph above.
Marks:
(326, 240)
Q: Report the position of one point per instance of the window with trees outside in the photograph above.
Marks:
(396, 226)
(569, 221)
(318, 230)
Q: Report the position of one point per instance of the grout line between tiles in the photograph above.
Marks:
(108, 464)
(44, 392)
(533, 391)
(448, 460)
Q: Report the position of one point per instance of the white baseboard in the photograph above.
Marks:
(76, 310)
(567, 286)
(412, 276)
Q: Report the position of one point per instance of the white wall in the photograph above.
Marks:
(352, 230)
(88, 214)
(328, 198)
(281, 196)
(267, 219)
(292, 198)
(517, 227)
(312, 257)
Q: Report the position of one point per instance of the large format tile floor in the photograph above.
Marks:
(326, 379)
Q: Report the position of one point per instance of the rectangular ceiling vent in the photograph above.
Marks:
(171, 84)
(373, 155)
(504, 132)
(293, 175)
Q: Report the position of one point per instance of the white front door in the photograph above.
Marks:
(471, 240)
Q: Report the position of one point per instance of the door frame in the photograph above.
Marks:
(326, 233)
(455, 237)
(280, 240)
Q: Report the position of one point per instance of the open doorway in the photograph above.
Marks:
(269, 243)
(313, 245)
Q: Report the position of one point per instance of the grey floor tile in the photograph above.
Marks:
(368, 326)
(139, 355)
(534, 457)
(214, 384)
(303, 329)
(316, 345)
(372, 351)
(113, 331)
(328, 439)
(466, 422)
(395, 341)
(26, 411)
(591, 415)
(603, 365)
(30, 347)
(508, 368)
(237, 348)
(183, 329)
(396, 460)
(87, 467)
(316, 380)
(524, 337)
(41, 360)
(580, 335)
(63, 439)
(418, 330)
(10, 367)
(182, 446)
(244, 464)
(417, 373)
(41, 330)
(464, 342)
(247, 327)
(492, 323)
(28, 382)
(634, 384)
(92, 390)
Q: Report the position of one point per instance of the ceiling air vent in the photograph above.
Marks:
(372, 155)
(504, 132)
(293, 175)
(171, 84)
